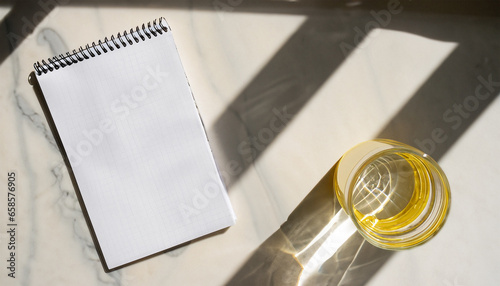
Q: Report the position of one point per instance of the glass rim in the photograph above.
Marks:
(399, 243)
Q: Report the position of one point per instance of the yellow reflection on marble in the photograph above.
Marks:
(317, 245)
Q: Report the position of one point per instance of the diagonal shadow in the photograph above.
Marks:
(25, 15)
(282, 87)
(256, 117)
(459, 90)
(19, 23)
(436, 116)
(258, 114)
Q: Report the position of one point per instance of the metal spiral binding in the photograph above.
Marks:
(93, 50)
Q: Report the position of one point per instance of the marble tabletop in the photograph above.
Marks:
(284, 89)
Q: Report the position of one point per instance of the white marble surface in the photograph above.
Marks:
(224, 53)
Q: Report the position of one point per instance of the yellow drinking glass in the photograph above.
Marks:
(397, 196)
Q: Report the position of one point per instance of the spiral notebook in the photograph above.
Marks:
(128, 127)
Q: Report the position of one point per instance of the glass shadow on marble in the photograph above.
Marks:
(317, 245)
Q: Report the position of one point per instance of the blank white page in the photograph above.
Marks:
(138, 149)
